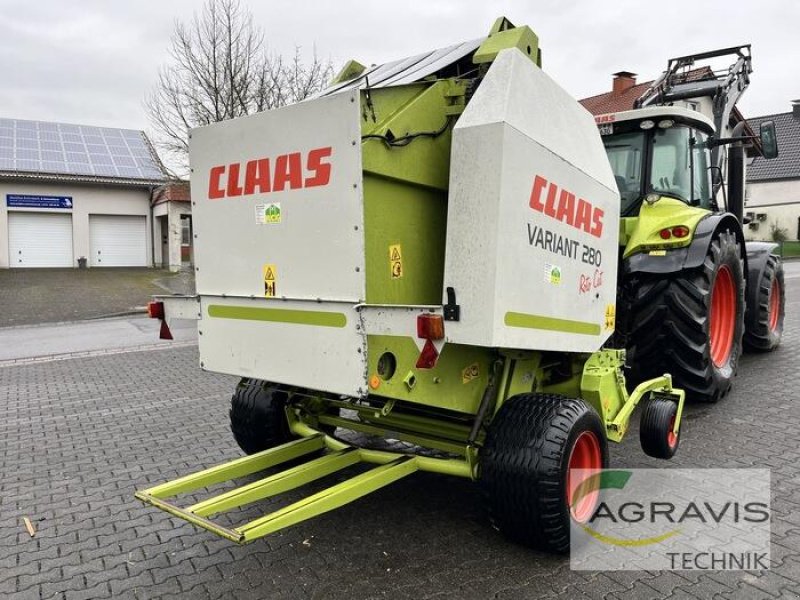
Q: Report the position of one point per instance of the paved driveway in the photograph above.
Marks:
(30, 296)
(79, 436)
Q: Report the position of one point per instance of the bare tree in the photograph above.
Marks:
(221, 69)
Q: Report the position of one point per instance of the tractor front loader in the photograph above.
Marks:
(425, 252)
(692, 292)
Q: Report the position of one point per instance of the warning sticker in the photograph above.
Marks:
(270, 277)
(552, 274)
(611, 316)
(267, 214)
(470, 373)
(658, 252)
(396, 261)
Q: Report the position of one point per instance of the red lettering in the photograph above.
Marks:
(536, 193)
(584, 284)
(256, 177)
(566, 207)
(233, 189)
(215, 192)
(288, 169)
(321, 170)
(583, 216)
(550, 205)
(597, 222)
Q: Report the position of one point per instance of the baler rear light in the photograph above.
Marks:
(155, 310)
(428, 357)
(430, 327)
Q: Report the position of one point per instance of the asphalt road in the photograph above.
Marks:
(80, 434)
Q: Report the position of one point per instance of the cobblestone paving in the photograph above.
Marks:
(78, 436)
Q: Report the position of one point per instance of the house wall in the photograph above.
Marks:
(779, 201)
(173, 211)
(87, 200)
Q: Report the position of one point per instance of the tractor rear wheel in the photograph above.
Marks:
(765, 314)
(258, 420)
(533, 444)
(689, 324)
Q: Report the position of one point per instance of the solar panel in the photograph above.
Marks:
(59, 148)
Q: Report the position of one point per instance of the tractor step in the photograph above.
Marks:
(388, 468)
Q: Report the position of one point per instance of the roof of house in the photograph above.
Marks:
(61, 151)
(174, 191)
(624, 100)
(787, 164)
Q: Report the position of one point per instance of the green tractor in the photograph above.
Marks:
(691, 292)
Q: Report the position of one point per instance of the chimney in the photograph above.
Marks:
(796, 109)
(623, 80)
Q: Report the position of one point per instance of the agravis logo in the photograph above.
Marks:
(709, 519)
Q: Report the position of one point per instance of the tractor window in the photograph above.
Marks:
(670, 171)
(625, 155)
(702, 173)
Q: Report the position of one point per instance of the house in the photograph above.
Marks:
(772, 193)
(172, 226)
(75, 195)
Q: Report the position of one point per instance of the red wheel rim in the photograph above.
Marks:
(585, 455)
(722, 319)
(774, 305)
(672, 437)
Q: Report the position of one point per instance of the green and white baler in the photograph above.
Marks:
(425, 252)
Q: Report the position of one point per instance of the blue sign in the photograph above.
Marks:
(28, 201)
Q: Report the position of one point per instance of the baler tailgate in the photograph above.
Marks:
(292, 478)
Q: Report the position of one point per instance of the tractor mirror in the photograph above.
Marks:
(769, 141)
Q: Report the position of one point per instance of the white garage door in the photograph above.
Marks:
(117, 241)
(39, 240)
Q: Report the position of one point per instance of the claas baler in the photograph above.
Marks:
(424, 252)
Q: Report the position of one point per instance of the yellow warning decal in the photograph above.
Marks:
(270, 277)
(470, 373)
(658, 252)
(396, 261)
(611, 316)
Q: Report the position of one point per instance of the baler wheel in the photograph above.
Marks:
(764, 328)
(532, 445)
(655, 430)
(258, 420)
(688, 324)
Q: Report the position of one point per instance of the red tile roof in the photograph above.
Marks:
(177, 191)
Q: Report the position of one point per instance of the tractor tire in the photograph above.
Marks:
(531, 445)
(764, 317)
(689, 324)
(655, 429)
(258, 420)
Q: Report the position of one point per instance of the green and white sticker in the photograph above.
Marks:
(552, 274)
(268, 214)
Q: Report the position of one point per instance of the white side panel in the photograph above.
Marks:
(308, 344)
(302, 162)
(533, 216)
(39, 240)
(117, 241)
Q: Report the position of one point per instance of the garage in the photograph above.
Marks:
(117, 241)
(39, 240)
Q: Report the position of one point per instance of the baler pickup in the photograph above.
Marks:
(389, 467)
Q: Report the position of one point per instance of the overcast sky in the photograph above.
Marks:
(92, 61)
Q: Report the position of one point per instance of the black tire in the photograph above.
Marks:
(655, 430)
(258, 420)
(763, 334)
(524, 466)
(667, 328)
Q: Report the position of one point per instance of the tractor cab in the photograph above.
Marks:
(659, 152)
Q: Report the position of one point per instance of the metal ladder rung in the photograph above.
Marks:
(240, 467)
(277, 483)
(330, 498)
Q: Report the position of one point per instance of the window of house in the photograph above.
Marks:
(186, 231)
